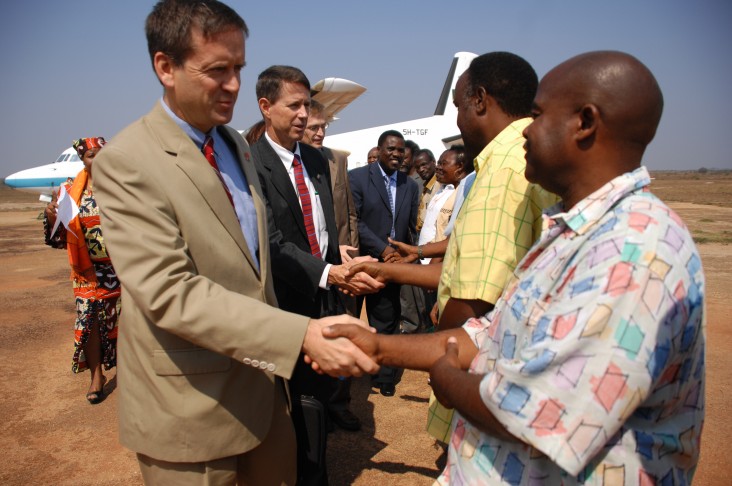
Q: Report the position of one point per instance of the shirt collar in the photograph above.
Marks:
(194, 133)
(509, 134)
(285, 155)
(392, 177)
(589, 210)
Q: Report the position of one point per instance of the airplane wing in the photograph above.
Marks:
(335, 94)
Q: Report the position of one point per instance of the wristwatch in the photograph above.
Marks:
(419, 252)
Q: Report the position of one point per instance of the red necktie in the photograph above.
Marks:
(307, 207)
(208, 152)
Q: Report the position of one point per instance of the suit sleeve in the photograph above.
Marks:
(156, 231)
(370, 244)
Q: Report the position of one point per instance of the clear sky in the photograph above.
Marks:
(78, 68)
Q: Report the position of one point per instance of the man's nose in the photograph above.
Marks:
(232, 82)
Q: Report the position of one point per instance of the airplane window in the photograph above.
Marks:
(60, 158)
(75, 158)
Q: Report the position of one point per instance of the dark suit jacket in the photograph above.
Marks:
(297, 273)
(374, 214)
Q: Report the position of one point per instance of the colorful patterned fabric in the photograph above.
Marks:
(82, 269)
(97, 303)
(498, 222)
(594, 355)
(83, 144)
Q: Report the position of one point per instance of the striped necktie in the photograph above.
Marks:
(307, 207)
(387, 180)
(208, 152)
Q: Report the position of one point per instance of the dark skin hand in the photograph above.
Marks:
(445, 354)
(457, 311)
(426, 276)
(459, 389)
(51, 210)
(430, 250)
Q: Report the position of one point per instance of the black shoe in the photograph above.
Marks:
(345, 419)
(388, 389)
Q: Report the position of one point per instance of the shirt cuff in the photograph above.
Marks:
(323, 284)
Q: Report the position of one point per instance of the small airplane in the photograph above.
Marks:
(436, 132)
(46, 179)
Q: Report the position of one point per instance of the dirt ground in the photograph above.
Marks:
(51, 435)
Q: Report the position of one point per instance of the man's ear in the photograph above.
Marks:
(589, 118)
(481, 99)
(264, 106)
(164, 66)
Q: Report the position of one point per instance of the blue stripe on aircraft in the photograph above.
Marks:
(36, 182)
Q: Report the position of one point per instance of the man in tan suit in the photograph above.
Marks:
(204, 355)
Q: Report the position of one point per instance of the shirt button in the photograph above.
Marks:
(271, 367)
(263, 365)
(247, 361)
(255, 363)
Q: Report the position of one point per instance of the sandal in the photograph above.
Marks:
(97, 396)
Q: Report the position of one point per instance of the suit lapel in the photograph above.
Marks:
(378, 180)
(190, 160)
(281, 181)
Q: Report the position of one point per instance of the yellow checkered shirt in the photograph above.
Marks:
(498, 222)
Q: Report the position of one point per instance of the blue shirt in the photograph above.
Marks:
(234, 178)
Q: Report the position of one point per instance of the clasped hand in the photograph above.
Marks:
(339, 355)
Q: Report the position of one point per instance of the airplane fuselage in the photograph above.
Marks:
(46, 179)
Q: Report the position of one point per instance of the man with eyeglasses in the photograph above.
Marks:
(347, 224)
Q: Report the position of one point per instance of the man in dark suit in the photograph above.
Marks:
(183, 216)
(306, 260)
(386, 202)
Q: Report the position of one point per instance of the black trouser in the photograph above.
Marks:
(384, 310)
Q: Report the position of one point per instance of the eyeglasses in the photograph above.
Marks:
(316, 128)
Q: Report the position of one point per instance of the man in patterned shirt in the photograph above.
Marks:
(590, 369)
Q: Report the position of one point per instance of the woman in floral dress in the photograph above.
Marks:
(96, 288)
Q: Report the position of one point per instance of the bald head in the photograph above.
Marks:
(594, 115)
(623, 89)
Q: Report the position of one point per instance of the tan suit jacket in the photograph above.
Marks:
(200, 346)
(345, 210)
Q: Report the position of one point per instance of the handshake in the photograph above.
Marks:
(348, 348)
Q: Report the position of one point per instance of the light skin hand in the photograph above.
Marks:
(338, 356)
(366, 339)
(345, 256)
(353, 283)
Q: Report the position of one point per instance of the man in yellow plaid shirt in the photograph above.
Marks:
(501, 216)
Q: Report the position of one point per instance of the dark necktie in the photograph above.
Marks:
(208, 152)
(307, 207)
(387, 180)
